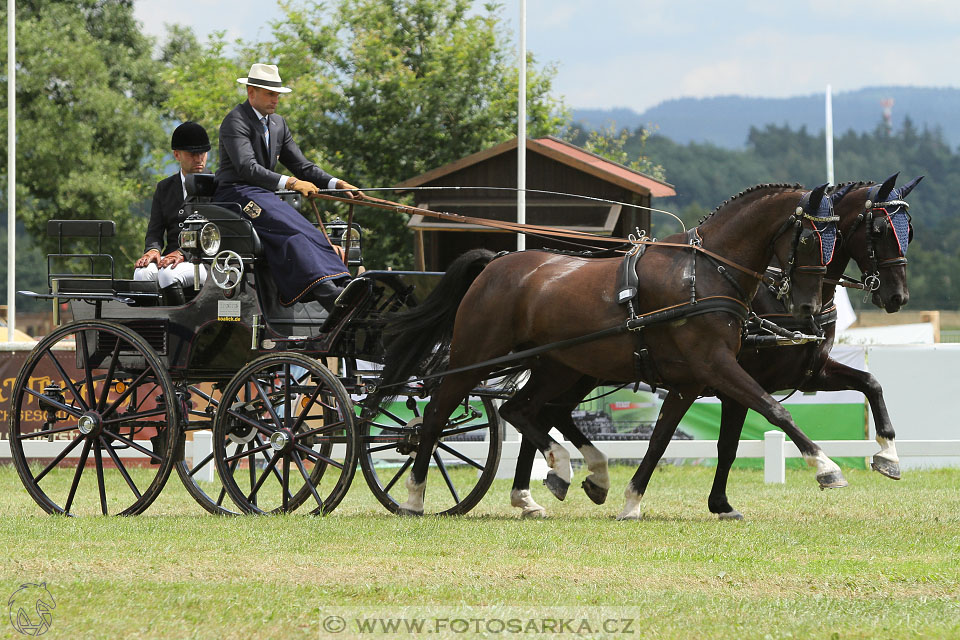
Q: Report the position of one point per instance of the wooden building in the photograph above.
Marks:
(554, 167)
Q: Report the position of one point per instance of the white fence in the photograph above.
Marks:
(774, 449)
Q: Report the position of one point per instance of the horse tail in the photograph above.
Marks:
(417, 339)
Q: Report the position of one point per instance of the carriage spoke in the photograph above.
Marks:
(98, 458)
(105, 390)
(384, 447)
(60, 456)
(266, 455)
(48, 432)
(73, 411)
(76, 476)
(306, 478)
(454, 452)
(327, 427)
(87, 370)
(393, 481)
(286, 395)
(271, 466)
(131, 443)
(393, 416)
(269, 405)
(123, 396)
(200, 465)
(446, 477)
(252, 472)
(127, 417)
(120, 467)
(467, 429)
(388, 427)
(68, 380)
(243, 454)
(316, 456)
(306, 409)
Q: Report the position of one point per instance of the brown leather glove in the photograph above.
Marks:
(304, 188)
(351, 190)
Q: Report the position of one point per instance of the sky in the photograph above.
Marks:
(636, 54)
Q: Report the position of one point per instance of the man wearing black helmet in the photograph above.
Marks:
(253, 139)
(190, 145)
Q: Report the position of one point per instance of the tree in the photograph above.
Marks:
(87, 114)
(384, 90)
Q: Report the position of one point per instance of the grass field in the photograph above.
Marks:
(879, 559)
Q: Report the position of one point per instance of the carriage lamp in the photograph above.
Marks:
(210, 239)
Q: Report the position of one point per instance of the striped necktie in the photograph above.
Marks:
(266, 130)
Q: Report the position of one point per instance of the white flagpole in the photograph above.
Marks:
(522, 129)
(829, 135)
(11, 169)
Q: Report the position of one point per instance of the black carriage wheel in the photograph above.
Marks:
(98, 388)
(212, 496)
(284, 435)
(464, 463)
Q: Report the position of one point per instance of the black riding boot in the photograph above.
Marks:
(172, 296)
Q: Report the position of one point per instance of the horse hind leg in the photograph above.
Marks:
(444, 400)
(732, 416)
(520, 496)
(597, 483)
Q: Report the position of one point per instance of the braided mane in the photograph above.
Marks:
(745, 192)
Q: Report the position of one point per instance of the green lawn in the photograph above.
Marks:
(879, 559)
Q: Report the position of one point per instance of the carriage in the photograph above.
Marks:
(273, 398)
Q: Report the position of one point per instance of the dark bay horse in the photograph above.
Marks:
(874, 231)
(486, 308)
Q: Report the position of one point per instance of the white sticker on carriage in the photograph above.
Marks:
(228, 310)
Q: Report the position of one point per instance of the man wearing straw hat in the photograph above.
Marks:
(253, 138)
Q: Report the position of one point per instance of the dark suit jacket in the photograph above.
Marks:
(165, 215)
(244, 157)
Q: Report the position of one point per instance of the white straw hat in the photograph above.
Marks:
(265, 76)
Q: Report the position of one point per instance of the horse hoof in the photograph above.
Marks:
(595, 492)
(557, 485)
(832, 480)
(730, 515)
(534, 514)
(403, 511)
(625, 517)
(886, 467)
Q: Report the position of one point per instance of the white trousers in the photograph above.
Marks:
(181, 274)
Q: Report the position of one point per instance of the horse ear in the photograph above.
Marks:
(816, 196)
(839, 194)
(887, 187)
(907, 188)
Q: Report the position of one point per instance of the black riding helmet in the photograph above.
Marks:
(191, 137)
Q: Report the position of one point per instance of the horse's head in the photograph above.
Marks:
(804, 246)
(876, 237)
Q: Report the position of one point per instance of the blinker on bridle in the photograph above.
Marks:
(824, 229)
(890, 209)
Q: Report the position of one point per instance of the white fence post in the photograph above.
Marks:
(203, 447)
(774, 457)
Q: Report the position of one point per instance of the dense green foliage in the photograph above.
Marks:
(706, 175)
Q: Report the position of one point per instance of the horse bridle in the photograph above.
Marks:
(796, 220)
(890, 208)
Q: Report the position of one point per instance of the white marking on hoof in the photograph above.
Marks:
(888, 450)
(415, 492)
(597, 464)
(631, 505)
(730, 515)
(559, 460)
(522, 499)
(824, 465)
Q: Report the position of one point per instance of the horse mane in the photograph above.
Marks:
(853, 184)
(748, 191)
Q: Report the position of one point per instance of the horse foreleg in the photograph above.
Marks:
(673, 409)
(839, 377)
(732, 416)
(733, 381)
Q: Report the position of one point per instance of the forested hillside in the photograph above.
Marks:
(705, 175)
